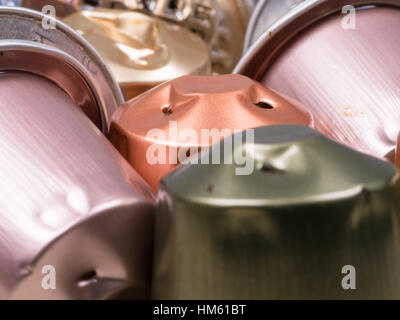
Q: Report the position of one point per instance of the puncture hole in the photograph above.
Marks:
(91, 2)
(267, 168)
(87, 276)
(264, 105)
(166, 110)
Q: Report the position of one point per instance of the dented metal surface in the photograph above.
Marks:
(157, 129)
(221, 23)
(284, 231)
(65, 193)
(141, 51)
(65, 189)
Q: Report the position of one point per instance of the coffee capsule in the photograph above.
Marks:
(286, 214)
(142, 51)
(221, 23)
(168, 125)
(342, 66)
(83, 74)
(75, 219)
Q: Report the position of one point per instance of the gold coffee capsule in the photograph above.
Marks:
(221, 23)
(142, 51)
(285, 214)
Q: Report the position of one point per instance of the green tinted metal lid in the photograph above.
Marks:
(286, 164)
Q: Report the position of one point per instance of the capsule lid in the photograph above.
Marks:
(285, 165)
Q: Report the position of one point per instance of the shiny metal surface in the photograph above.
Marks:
(20, 24)
(194, 103)
(310, 207)
(141, 51)
(349, 79)
(221, 23)
(264, 15)
(68, 200)
(65, 71)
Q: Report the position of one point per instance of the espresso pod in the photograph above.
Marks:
(221, 23)
(141, 51)
(61, 55)
(340, 59)
(286, 214)
(75, 219)
(169, 124)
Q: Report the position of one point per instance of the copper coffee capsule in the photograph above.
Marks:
(308, 219)
(75, 219)
(142, 51)
(342, 66)
(166, 126)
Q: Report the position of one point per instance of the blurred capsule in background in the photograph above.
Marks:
(343, 67)
(310, 211)
(75, 219)
(226, 44)
(170, 124)
(142, 51)
(221, 23)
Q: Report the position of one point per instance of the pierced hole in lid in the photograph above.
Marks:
(94, 3)
(87, 276)
(267, 168)
(264, 105)
(166, 110)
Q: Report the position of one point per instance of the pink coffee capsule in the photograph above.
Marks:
(75, 218)
(340, 59)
